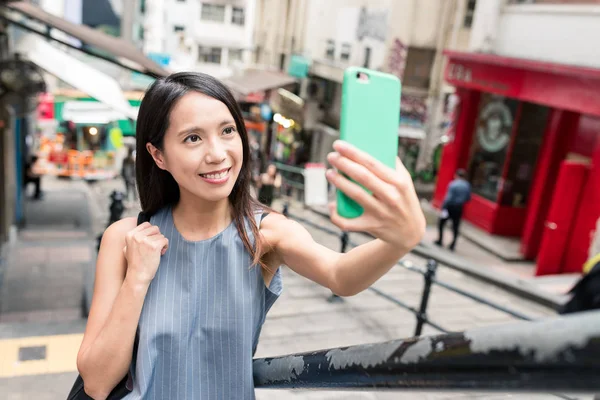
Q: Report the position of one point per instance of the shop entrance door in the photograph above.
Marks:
(562, 215)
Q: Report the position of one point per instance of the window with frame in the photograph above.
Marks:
(346, 50)
(235, 55)
(417, 71)
(491, 138)
(469, 13)
(209, 55)
(178, 28)
(238, 16)
(330, 49)
(212, 12)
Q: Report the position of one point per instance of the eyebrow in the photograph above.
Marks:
(199, 129)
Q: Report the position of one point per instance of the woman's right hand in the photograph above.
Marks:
(144, 246)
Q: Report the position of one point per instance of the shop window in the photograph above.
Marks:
(212, 12)
(330, 49)
(418, 67)
(211, 55)
(238, 16)
(524, 154)
(491, 139)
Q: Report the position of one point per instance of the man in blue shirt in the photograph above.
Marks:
(458, 194)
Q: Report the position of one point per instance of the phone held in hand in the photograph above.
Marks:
(370, 117)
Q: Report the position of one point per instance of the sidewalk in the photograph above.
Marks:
(45, 267)
(473, 260)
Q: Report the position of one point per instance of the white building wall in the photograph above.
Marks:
(164, 15)
(485, 25)
(566, 34)
(559, 33)
(339, 20)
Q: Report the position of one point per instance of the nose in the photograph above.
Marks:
(216, 152)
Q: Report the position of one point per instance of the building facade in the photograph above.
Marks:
(215, 37)
(402, 37)
(528, 127)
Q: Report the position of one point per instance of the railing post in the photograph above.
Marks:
(428, 278)
(344, 241)
(115, 209)
(286, 209)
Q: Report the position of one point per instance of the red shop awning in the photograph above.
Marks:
(555, 85)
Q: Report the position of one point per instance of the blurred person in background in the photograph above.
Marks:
(585, 294)
(268, 183)
(128, 175)
(458, 194)
(190, 288)
(30, 176)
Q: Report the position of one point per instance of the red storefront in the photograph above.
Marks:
(528, 134)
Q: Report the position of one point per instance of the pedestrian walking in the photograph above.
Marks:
(30, 176)
(458, 194)
(128, 175)
(179, 301)
(268, 183)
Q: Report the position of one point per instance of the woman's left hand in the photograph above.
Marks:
(392, 213)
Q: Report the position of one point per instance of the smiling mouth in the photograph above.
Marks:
(216, 175)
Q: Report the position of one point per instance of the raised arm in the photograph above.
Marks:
(392, 214)
(119, 291)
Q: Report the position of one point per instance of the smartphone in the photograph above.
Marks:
(370, 119)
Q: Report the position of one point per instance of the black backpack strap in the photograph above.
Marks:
(143, 217)
(263, 216)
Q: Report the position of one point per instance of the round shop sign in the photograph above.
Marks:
(495, 123)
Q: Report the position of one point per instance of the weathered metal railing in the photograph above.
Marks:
(556, 355)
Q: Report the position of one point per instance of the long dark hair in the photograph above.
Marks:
(156, 187)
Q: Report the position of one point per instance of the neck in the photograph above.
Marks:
(198, 219)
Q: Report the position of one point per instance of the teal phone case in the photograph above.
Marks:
(369, 120)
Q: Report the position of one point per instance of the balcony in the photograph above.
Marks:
(564, 32)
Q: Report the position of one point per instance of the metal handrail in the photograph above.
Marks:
(555, 355)
(428, 280)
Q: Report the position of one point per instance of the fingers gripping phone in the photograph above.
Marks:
(369, 120)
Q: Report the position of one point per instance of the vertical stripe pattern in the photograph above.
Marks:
(201, 319)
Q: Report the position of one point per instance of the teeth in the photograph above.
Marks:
(215, 176)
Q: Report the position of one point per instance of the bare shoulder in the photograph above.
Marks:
(275, 222)
(111, 259)
(277, 229)
(119, 229)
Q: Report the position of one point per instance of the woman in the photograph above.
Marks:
(197, 281)
(128, 175)
(267, 184)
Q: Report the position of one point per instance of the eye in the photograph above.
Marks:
(229, 130)
(192, 139)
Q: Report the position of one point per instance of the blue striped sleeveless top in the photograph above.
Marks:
(201, 318)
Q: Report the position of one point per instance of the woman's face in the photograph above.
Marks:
(271, 170)
(202, 148)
